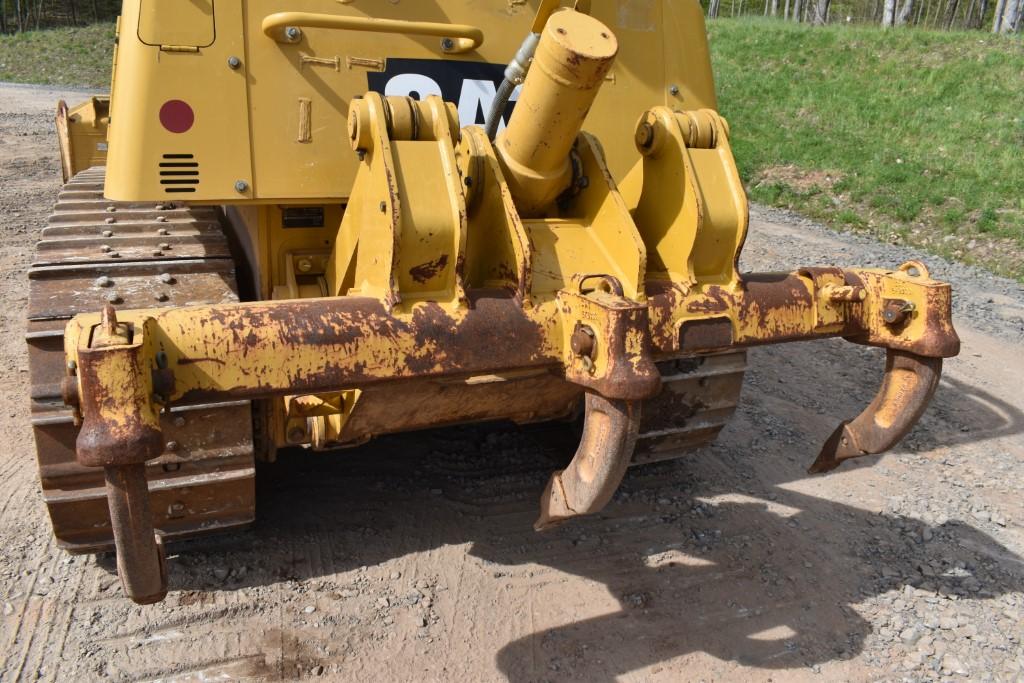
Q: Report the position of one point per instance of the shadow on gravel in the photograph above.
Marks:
(713, 553)
(968, 414)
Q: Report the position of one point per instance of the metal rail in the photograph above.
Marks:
(286, 27)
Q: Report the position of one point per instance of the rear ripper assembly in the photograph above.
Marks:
(609, 282)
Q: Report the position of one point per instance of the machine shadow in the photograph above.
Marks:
(712, 553)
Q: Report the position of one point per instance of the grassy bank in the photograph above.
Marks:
(914, 136)
(64, 56)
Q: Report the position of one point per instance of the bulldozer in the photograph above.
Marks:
(309, 227)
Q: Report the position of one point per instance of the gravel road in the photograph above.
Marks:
(413, 558)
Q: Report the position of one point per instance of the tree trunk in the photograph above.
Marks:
(889, 14)
(997, 18)
(797, 10)
(819, 10)
(1011, 16)
(951, 8)
(713, 9)
(969, 17)
(905, 11)
(786, 15)
(979, 18)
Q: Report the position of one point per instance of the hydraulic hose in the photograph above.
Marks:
(501, 99)
(515, 74)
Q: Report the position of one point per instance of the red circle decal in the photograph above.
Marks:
(176, 116)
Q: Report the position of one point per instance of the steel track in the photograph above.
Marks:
(133, 255)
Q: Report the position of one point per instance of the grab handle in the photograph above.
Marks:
(286, 27)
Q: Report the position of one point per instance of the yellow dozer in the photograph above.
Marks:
(319, 224)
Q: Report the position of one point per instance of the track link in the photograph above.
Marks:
(698, 397)
(133, 255)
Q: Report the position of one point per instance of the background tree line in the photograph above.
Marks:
(29, 15)
(999, 16)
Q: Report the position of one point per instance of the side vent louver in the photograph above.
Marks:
(179, 173)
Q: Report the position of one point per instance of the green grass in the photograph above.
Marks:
(914, 136)
(64, 56)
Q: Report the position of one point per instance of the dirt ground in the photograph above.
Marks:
(413, 558)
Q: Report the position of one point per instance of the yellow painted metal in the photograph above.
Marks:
(573, 58)
(499, 252)
(544, 12)
(462, 38)
(300, 253)
(176, 23)
(82, 135)
(219, 141)
(248, 122)
(409, 183)
(317, 419)
(596, 236)
(688, 199)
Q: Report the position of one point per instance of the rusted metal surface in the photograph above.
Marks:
(698, 397)
(120, 424)
(309, 346)
(924, 323)
(431, 342)
(521, 397)
(128, 285)
(619, 364)
(140, 557)
(582, 341)
(426, 271)
(907, 387)
(202, 481)
(705, 334)
(896, 311)
(769, 308)
(120, 431)
(609, 433)
(128, 248)
(332, 344)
